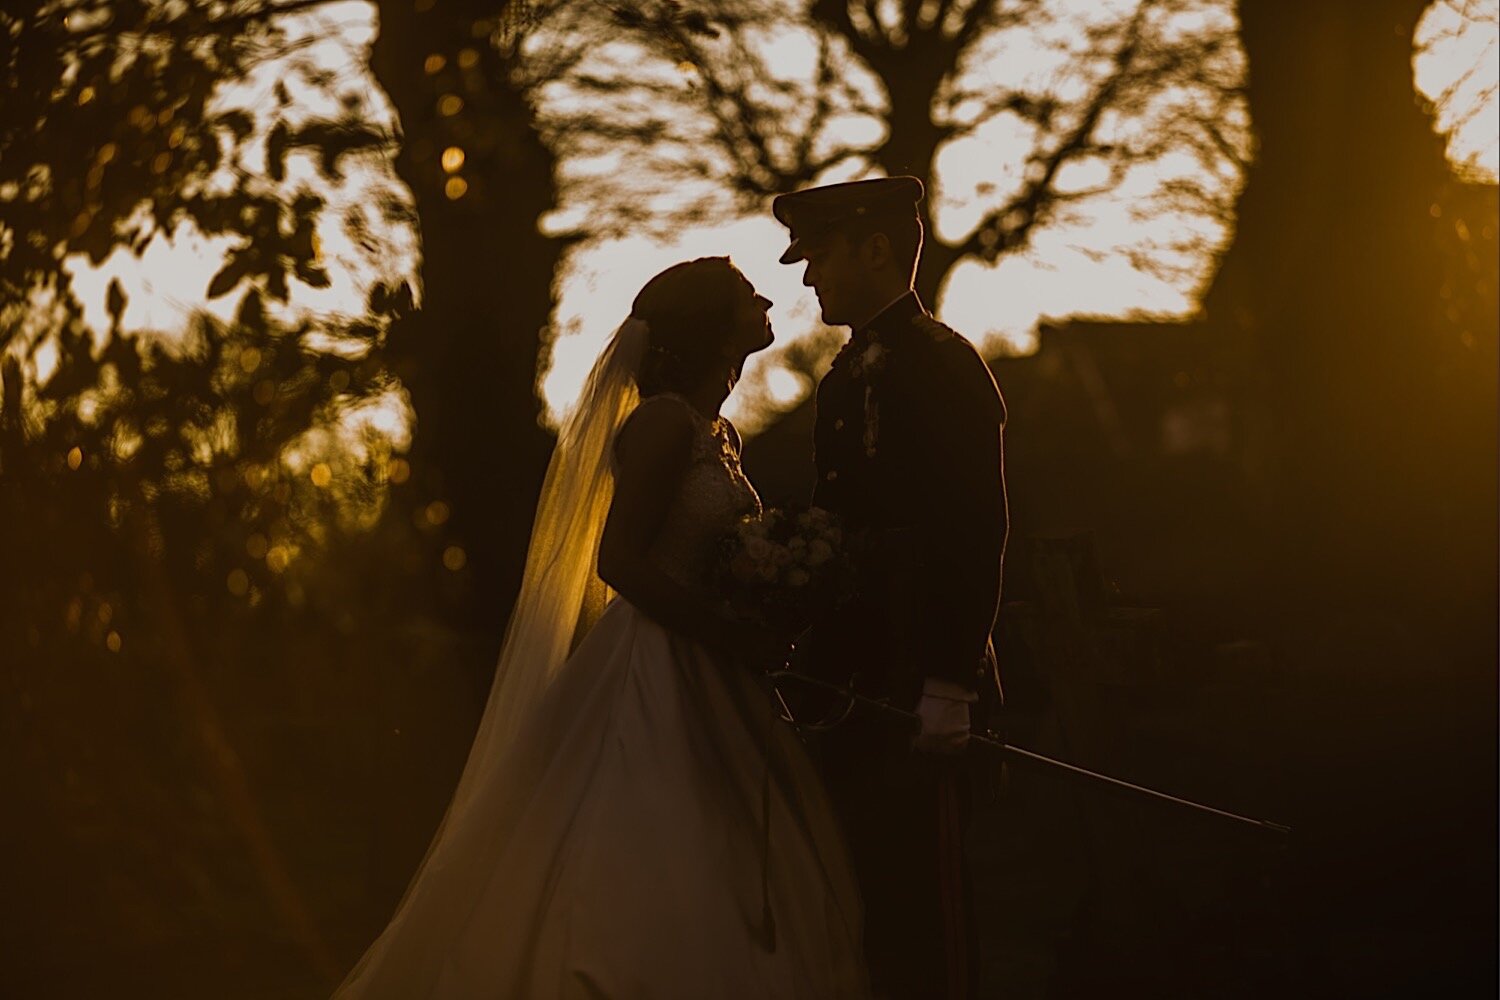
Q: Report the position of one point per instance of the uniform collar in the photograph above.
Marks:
(900, 312)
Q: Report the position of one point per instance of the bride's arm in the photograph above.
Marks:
(651, 455)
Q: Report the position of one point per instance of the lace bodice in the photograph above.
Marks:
(711, 496)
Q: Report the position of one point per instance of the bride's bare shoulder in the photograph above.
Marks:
(659, 431)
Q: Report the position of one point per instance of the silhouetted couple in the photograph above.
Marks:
(636, 820)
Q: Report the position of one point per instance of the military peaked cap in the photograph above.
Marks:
(813, 213)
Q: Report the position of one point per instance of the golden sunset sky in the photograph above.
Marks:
(998, 307)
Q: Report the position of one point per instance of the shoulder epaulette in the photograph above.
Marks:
(932, 329)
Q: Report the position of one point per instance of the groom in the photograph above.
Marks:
(909, 453)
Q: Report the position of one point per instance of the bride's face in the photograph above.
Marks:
(750, 328)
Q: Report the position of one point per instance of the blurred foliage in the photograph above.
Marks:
(202, 452)
(172, 518)
(198, 524)
(111, 133)
(119, 127)
(114, 132)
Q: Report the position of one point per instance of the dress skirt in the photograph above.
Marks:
(655, 833)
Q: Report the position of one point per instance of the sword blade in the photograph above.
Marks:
(993, 740)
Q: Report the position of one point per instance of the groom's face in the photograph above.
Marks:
(835, 274)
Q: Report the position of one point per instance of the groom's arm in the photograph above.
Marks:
(942, 454)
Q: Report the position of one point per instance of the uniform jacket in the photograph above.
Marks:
(910, 454)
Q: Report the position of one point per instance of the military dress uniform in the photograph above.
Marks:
(909, 453)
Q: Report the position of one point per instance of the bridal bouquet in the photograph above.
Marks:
(788, 566)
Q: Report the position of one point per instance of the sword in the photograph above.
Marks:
(994, 741)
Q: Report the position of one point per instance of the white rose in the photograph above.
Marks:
(798, 578)
(757, 548)
(819, 552)
(780, 555)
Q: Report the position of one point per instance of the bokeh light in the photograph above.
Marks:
(238, 582)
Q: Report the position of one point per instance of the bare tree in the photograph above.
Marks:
(713, 109)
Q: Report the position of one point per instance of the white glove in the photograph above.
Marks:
(944, 711)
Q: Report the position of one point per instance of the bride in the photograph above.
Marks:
(635, 821)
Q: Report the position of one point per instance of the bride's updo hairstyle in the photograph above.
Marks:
(688, 309)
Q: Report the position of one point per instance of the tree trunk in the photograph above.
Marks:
(469, 355)
(1368, 404)
(1362, 324)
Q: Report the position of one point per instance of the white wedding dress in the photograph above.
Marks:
(656, 832)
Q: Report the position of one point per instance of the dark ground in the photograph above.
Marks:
(137, 886)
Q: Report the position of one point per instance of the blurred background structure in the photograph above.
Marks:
(292, 293)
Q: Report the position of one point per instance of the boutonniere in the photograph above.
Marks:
(865, 366)
(868, 362)
(872, 422)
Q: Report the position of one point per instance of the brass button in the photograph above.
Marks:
(838, 424)
(832, 475)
